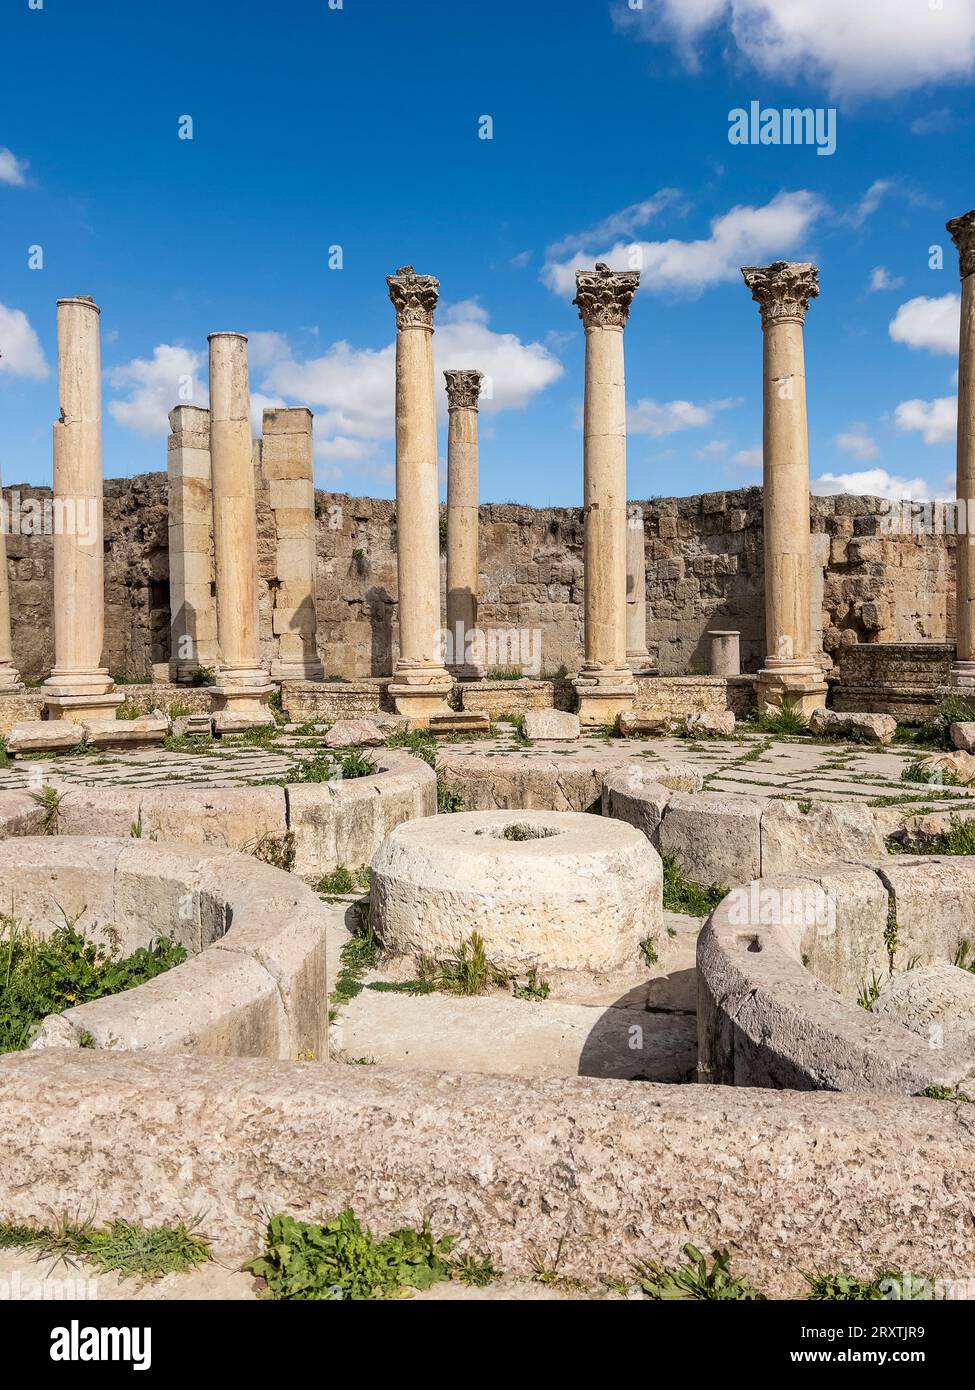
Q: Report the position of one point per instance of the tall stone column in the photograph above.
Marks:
(962, 231)
(791, 675)
(287, 459)
(605, 684)
(637, 655)
(463, 390)
(79, 688)
(10, 682)
(241, 693)
(421, 683)
(193, 618)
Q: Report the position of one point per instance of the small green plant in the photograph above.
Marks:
(344, 1260)
(785, 720)
(5, 758)
(342, 881)
(533, 988)
(648, 951)
(277, 850)
(694, 1281)
(965, 956)
(178, 709)
(921, 770)
(505, 673)
(49, 800)
(869, 993)
(469, 972)
(945, 1093)
(834, 1288)
(685, 897)
(122, 1247)
(475, 1273)
(204, 745)
(203, 675)
(420, 742)
(129, 709)
(448, 801)
(359, 954)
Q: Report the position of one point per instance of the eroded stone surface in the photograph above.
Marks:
(542, 724)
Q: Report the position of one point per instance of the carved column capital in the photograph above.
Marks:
(783, 289)
(414, 297)
(463, 389)
(962, 230)
(603, 296)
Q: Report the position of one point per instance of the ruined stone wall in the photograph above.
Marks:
(704, 569)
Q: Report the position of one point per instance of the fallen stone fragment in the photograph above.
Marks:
(542, 725)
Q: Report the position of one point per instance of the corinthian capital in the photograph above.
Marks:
(603, 295)
(414, 297)
(463, 389)
(962, 231)
(783, 289)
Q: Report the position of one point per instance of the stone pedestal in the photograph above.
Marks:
(637, 655)
(10, 682)
(604, 685)
(725, 653)
(79, 688)
(463, 389)
(791, 676)
(240, 696)
(421, 683)
(193, 632)
(287, 461)
(962, 230)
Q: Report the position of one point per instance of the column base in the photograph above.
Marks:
(420, 691)
(238, 707)
(801, 688)
(10, 682)
(962, 677)
(82, 709)
(641, 663)
(297, 670)
(603, 695)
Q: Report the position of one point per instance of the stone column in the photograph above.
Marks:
(962, 231)
(241, 693)
(725, 653)
(463, 389)
(193, 631)
(791, 675)
(287, 460)
(10, 682)
(421, 683)
(79, 688)
(605, 684)
(637, 655)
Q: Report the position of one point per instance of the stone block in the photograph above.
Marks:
(806, 835)
(541, 725)
(43, 736)
(715, 839)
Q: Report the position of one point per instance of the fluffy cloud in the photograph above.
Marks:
(659, 418)
(931, 324)
(13, 171)
(856, 441)
(154, 386)
(881, 279)
(870, 48)
(21, 353)
(871, 482)
(744, 235)
(936, 421)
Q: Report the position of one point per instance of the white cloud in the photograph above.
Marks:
(744, 235)
(856, 441)
(714, 449)
(936, 421)
(21, 353)
(931, 324)
(658, 418)
(154, 386)
(869, 203)
(871, 482)
(881, 279)
(351, 389)
(867, 48)
(13, 171)
(617, 225)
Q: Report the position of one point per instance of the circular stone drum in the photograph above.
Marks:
(557, 890)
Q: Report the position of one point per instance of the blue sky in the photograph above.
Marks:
(358, 127)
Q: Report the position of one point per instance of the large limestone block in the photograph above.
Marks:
(233, 817)
(715, 839)
(20, 814)
(808, 835)
(634, 723)
(291, 947)
(127, 733)
(157, 894)
(638, 793)
(512, 782)
(516, 1037)
(50, 880)
(355, 733)
(874, 728)
(43, 736)
(937, 1002)
(560, 892)
(550, 724)
(962, 736)
(100, 810)
(710, 724)
(934, 903)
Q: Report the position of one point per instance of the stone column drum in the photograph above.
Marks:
(962, 230)
(421, 682)
(10, 682)
(604, 685)
(725, 657)
(791, 675)
(637, 655)
(240, 696)
(467, 658)
(287, 460)
(79, 688)
(193, 631)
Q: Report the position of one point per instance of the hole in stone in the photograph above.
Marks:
(520, 830)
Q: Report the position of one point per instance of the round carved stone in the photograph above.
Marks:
(560, 891)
